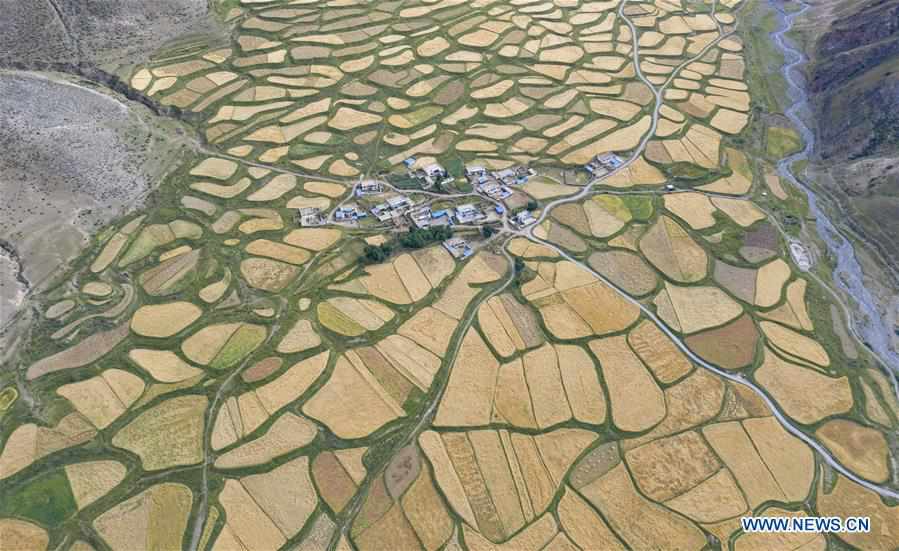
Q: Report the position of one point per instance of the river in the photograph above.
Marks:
(870, 325)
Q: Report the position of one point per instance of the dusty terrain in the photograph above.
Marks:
(73, 158)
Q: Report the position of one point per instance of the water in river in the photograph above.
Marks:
(848, 273)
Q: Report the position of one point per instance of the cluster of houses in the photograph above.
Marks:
(428, 175)
(496, 184)
(603, 164)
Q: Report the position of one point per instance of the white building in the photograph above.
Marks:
(466, 214)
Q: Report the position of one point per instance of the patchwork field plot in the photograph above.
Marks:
(286, 352)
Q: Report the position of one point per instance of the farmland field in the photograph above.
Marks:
(280, 351)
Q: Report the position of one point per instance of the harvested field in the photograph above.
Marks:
(352, 317)
(626, 270)
(699, 308)
(847, 498)
(770, 281)
(732, 444)
(91, 480)
(544, 382)
(278, 251)
(468, 399)
(541, 188)
(435, 262)
(431, 329)
(861, 449)
(668, 467)
(213, 167)
(693, 208)
(167, 435)
(607, 215)
(744, 213)
(671, 249)
(266, 274)
(351, 384)
(264, 510)
(17, 535)
(301, 337)
(287, 433)
(617, 499)
(164, 320)
(658, 352)
(739, 281)
(224, 345)
(732, 346)
(490, 474)
(790, 461)
(29, 442)
(314, 239)
(714, 500)
(806, 395)
(262, 369)
(637, 403)
(140, 518)
(104, 398)
(583, 525)
(794, 344)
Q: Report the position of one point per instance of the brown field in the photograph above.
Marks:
(861, 449)
(693, 208)
(436, 264)
(104, 398)
(641, 523)
(770, 281)
(301, 337)
(164, 320)
(167, 435)
(262, 369)
(790, 461)
(337, 487)
(87, 351)
(848, 498)
(670, 248)
(286, 434)
(583, 525)
(731, 347)
(739, 281)
(658, 352)
(795, 344)
(626, 270)
(374, 408)
(19, 535)
(668, 467)
(30, 442)
(204, 345)
(278, 251)
(92, 480)
(417, 365)
(384, 283)
(412, 277)
(138, 519)
(468, 400)
(579, 376)
(691, 402)
(806, 395)
(636, 401)
(700, 308)
(742, 212)
(446, 475)
(314, 239)
(573, 216)
(541, 371)
(267, 274)
(736, 450)
(714, 500)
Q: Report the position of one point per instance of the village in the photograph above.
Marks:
(495, 196)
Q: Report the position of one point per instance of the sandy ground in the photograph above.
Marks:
(72, 158)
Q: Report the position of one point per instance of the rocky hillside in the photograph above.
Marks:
(854, 77)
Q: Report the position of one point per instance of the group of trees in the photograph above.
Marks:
(412, 239)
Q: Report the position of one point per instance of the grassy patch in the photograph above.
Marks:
(763, 59)
(244, 341)
(47, 500)
(7, 398)
(782, 142)
(337, 321)
(641, 207)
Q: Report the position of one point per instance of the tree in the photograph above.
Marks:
(532, 205)
(487, 231)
